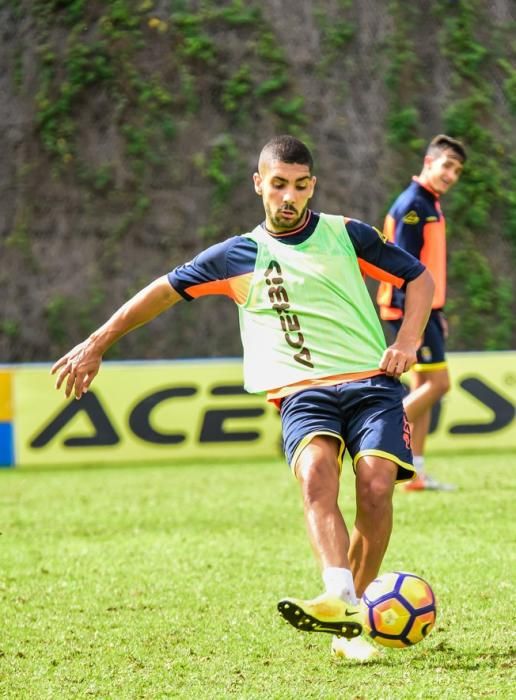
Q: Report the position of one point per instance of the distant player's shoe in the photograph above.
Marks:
(323, 614)
(425, 482)
(357, 649)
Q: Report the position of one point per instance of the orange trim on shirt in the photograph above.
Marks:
(236, 288)
(276, 395)
(389, 227)
(384, 292)
(433, 256)
(390, 313)
(377, 273)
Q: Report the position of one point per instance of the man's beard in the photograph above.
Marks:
(286, 224)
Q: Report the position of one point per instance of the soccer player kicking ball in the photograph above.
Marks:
(314, 345)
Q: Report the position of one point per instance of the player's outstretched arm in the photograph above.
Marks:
(402, 354)
(81, 364)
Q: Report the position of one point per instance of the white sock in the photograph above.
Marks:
(339, 582)
(419, 464)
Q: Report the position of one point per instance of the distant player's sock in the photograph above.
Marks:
(419, 464)
(339, 582)
(423, 481)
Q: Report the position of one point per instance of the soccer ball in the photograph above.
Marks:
(398, 609)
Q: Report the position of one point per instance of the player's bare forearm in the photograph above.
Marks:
(402, 354)
(146, 304)
(81, 364)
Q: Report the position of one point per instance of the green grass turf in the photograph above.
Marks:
(162, 581)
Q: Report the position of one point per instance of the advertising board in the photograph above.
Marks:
(181, 410)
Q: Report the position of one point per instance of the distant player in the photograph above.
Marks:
(314, 345)
(416, 223)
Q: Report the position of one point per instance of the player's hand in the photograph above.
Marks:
(79, 367)
(398, 358)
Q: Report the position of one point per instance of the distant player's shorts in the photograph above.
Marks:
(366, 417)
(431, 354)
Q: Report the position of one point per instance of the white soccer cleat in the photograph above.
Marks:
(356, 649)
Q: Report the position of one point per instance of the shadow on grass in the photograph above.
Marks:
(437, 658)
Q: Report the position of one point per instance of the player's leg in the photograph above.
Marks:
(420, 424)
(375, 480)
(335, 611)
(318, 472)
(378, 439)
(314, 449)
(429, 382)
(429, 388)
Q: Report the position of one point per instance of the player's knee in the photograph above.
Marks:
(441, 385)
(319, 480)
(446, 385)
(436, 384)
(374, 491)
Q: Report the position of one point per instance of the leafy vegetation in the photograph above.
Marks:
(132, 96)
(484, 199)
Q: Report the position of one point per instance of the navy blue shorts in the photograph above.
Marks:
(366, 416)
(431, 353)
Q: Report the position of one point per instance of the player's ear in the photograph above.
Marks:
(257, 184)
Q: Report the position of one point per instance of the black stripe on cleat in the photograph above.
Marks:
(307, 623)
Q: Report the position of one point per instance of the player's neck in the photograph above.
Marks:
(423, 181)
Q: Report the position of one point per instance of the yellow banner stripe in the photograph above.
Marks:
(6, 404)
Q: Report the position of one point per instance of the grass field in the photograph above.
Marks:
(161, 582)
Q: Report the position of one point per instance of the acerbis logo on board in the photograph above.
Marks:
(104, 433)
(199, 410)
(213, 421)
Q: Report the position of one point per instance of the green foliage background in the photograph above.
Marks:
(132, 129)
